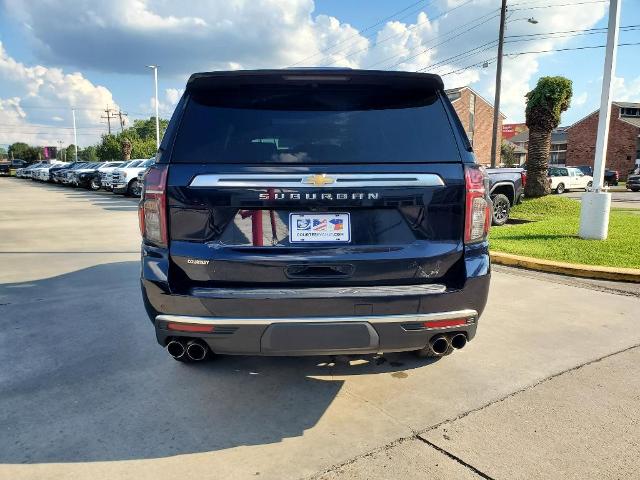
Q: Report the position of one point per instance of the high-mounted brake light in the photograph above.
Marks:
(152, 211)
(477, 209)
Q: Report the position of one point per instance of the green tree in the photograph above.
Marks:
(146, 129)
(109, 148)
(70, 153)
(19, 150)
(508, 155)
(3, 153)
(88, 154)
(545, 104)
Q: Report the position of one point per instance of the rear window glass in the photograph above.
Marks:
(314, 125)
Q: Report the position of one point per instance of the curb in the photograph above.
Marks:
(574, 269)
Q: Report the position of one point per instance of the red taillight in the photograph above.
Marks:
(456, 322)
(523, 178)
(190, 327)
(477, 210)
(152, 212)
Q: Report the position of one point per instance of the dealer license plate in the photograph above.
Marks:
(319, 227)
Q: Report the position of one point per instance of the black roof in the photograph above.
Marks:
(335, 76)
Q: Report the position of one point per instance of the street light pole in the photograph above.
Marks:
(595, 205)
(155, 79)
(496, 102)
(75, 133)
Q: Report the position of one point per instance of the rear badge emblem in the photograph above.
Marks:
(318, 180)
(195, 261)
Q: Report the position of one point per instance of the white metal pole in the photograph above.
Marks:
(594, 211)
(155, 76)
(75, 133)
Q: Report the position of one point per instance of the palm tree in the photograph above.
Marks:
(545, 103)
(126, 149)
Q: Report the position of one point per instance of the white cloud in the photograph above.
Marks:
(624, 91)
(580, 99)
(36, 95)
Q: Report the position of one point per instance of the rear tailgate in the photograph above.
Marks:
(314, 184)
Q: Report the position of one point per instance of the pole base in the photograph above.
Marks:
(594, 215)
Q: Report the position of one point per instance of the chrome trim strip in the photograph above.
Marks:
(373, 319)
(342, 180)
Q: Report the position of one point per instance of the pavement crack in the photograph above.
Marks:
(455, 458)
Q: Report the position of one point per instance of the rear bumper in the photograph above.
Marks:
(318, 336)
(259, 322)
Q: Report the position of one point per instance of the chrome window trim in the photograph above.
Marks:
(470, 315)
(341, 180)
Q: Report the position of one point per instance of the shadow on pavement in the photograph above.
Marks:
(84, 379)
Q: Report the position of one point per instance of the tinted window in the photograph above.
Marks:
(307, 125)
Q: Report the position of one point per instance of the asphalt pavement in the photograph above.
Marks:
(620, 198)
(547, 389)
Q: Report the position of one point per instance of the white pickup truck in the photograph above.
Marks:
(125, 179)
(568, 178)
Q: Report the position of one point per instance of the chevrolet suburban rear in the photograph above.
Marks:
(314, 212)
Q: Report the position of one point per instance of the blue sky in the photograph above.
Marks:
(51, 62)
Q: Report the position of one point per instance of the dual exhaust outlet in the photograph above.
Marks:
(193, 350)
(441, 344)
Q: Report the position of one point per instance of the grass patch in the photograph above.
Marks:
(551, 232)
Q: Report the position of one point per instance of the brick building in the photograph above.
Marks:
(476, 116)
(623, 149)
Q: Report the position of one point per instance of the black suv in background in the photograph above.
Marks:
(311, 211)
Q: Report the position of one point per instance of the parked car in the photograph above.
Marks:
(5, 168)
(106, 176)
(633, 181)
(611, 177)
(57, 172)
(7, 165)
(28, 170)
(42, 173)
(93, 179)
(125, 179)
(83, 176)
(568, 178)
(314, 211)
(506, 188)
(68, 176)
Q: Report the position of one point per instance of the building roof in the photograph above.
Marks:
(558, 135)
(631, 120)
(516, 148)
(453, 91)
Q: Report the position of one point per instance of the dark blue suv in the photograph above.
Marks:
(314, 211)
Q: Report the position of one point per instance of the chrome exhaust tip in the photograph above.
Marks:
(458, 340)
(197, 350)
(176, 349)
(439, 345)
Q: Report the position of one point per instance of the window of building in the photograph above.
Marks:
(472, 117)
(630, 112)
(558, 154)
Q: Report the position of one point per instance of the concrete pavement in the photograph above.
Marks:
(89, 394)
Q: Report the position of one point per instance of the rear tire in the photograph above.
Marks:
(560, 189)
(635, 189)
(133, 189)
(590, 184)
(501, 207)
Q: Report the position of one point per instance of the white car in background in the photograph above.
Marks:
(125, 179)
(568, 178)
(41, 173)
(106, 177)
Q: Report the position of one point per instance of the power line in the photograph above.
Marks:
(411, 27)
(556, 6)
(357, 35)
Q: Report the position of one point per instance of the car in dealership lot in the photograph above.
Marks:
(5, 168)
(57, 172)
(563, 179)
(26, 172)
(42, 173)
(611, 177)
(68, 176)
(106, 176)
(314, 212)
(7, 165)
(506, 189)
(125, 179)
(93, 179)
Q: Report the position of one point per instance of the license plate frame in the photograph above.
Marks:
(329, 227)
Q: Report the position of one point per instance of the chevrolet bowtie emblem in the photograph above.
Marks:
(318, 180)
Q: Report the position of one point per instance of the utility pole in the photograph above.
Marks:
(75, 133)
(108, 117)
(155, 79)
(595, 205)
(121, 114)
(496, 102)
